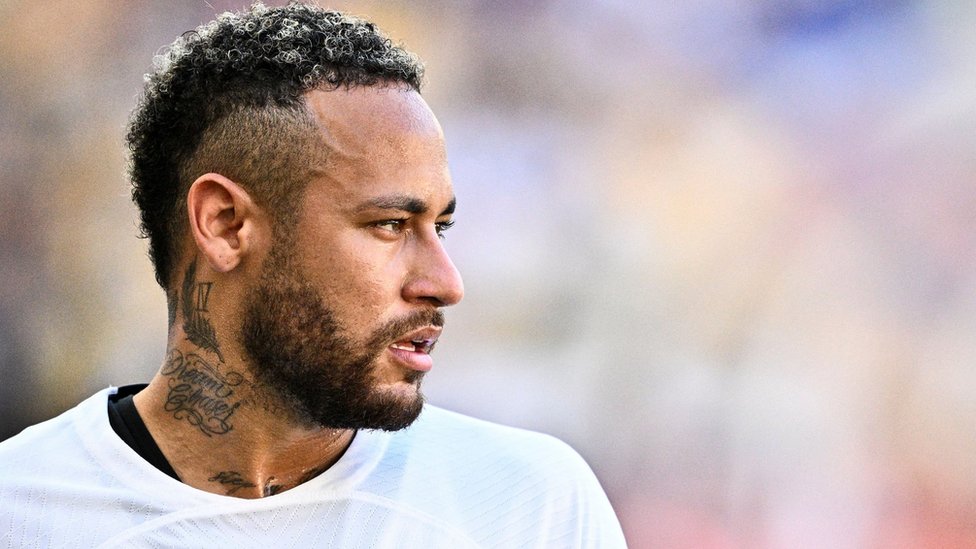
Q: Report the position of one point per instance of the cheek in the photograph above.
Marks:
(363, 290)
(358, 277)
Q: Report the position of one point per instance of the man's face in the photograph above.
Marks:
(341, 323)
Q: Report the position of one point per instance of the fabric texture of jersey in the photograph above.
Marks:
(447, 481)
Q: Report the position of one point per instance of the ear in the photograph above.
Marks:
(224, 221)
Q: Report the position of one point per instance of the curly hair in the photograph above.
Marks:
(228, 98)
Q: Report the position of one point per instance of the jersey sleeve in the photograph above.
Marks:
(581, 505)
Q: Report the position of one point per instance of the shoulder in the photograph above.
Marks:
(495, 480)
(48, 438)
(41, 470)
(71, 482)
(459, 437)
(60, 450)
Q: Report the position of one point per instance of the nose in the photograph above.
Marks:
(433, 278)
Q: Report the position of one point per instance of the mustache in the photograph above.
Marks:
(396, 327)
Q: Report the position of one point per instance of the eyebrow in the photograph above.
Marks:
(405, 203)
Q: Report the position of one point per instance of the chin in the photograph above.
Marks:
(388, 407)
(399, 406)
(399, 394)
(403, 388)
(402, 395)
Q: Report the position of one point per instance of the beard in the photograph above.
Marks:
(303, 361)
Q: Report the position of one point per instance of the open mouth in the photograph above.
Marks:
(413, 350)
(416, 345)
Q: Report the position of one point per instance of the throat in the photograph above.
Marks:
(234, 483)
(287, 467)
(264, 454)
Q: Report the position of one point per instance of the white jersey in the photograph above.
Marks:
(447, 481)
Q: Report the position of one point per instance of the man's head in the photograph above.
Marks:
(285, 159)
(229, 98)
(346, 309)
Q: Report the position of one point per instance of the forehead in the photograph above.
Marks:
(371, 112)
(378, 139)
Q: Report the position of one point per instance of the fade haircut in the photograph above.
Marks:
(228, 98)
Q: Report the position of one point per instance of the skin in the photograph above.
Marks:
(368, 239)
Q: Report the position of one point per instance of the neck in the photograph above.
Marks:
(222, 434)
(220, 430)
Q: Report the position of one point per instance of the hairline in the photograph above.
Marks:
(283, 222)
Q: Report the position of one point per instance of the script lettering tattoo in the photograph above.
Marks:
(200, 394)
(196, 321)
(236, 481)
(232, 479)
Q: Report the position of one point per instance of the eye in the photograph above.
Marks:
(442, 226)
(391, 225)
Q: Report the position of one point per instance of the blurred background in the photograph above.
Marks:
(726, 249)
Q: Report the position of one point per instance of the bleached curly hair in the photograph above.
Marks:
(227, 97)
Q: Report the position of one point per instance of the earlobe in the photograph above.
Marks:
(222, 219)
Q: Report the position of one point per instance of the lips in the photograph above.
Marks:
(414, 348)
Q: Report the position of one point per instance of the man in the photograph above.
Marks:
(294, 189)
